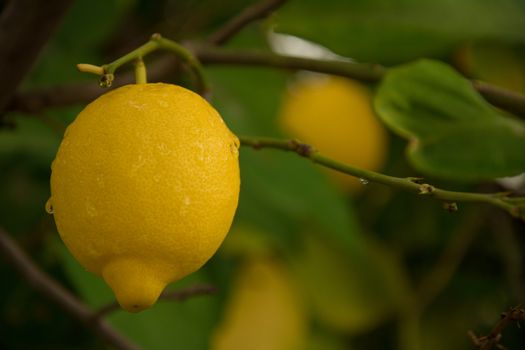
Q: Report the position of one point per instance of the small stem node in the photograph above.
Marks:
(426, 189)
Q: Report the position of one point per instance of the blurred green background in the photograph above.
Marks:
(307, 264)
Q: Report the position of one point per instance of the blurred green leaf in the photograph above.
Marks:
(350, 294)
(454, 133)
(25, 164)
(389, 32)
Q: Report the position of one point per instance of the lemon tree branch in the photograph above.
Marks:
(508, 100)
(44, 284)
(156, 42)
(513, 205)
(56, 96)
(252, 13)
(367, 72)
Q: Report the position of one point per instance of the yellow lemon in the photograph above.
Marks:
(335, 116)
(264, 311)
(144, 188)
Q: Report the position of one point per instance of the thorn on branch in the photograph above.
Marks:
(302, 149)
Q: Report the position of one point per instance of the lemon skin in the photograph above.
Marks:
(144, 188)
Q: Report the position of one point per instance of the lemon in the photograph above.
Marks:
(264, 311)
(144, 188)
(335, 116)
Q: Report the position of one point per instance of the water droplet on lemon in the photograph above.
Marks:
(49, 206)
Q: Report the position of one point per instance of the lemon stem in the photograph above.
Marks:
(155, 43)
(140, 71)
(90, 68)
(513, 205)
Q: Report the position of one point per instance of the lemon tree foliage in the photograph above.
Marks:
(453, 132)
(113, 204)
(395, 32)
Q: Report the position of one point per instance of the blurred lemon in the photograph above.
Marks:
(335, 116)
(264, 311)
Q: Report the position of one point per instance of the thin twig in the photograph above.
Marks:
(360, 71)
(442, 272)
(47, 286)
(174, 295)
(39, 99)
(250, 14)
(155, 43)
(493, 339)
(507, 239)
(506, 99)
(513, 205)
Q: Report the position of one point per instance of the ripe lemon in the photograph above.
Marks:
(335, 116)
(144, 188)
(264, 311)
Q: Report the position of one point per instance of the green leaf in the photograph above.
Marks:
(390, 32)
(454, 133)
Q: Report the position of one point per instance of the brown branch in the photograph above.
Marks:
(48, 287)
(252, 13)
(359, 71)
(508, 100)
(493, 339)
(61, 96)
(25, 27)
(174, 295)
(37, 100)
